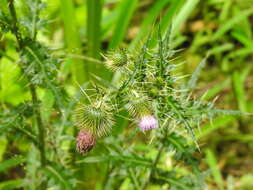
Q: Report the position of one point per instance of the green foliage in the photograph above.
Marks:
(49, 48)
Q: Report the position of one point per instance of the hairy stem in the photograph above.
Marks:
(14, 23)
(41, 135)
(157, 159)
(41, 131)
(133, 178)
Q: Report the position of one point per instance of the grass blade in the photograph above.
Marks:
(228, 25)
(11, 184)
(56, 174)
(183, 15)
(11, 163)
(144, 28)
(238, 87)
(211, 161)
(166, 20)
(218, 123)
(127, 8)
(73, 43)
(94, 10)
(94, 14)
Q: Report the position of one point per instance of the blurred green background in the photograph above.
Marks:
(80, 31)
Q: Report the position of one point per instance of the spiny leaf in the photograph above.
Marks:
(59, 176)
(193, 80)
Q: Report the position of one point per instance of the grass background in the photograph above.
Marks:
(85, 29)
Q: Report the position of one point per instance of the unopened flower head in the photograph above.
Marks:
(85, 141)
(148, 122)
(97, 120)
(116, 60)
(139, 105)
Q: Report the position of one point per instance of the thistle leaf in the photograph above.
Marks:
(195, 76)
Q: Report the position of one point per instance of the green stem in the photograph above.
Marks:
(41, 135)
(157, 159)
(35, 18)
(133, 178)
(174, 182)
(28, 135)
(14, 23)
(39, 125)
(158, 156)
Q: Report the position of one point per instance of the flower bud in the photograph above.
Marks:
(85, 141)
(116, 60)
(98, 121)
(148, 122)
(138, 106)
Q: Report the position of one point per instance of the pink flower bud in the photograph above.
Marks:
(148, 122)
(85, 141)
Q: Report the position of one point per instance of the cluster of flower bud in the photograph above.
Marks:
(116, 60)
(95, 122)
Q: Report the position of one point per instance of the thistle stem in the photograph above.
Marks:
(14, 23)
(157, 159)
(41, 132)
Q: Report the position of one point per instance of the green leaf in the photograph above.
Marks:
(212, 92)
(219, 122)
(166, 20)
(73, 43)
(239, 91)
(58, 175)
(127, 8)
(121, 158)
(193, 80)
(147, 22)
(183, 15)
(229, 24)
(212, 162)
(11, 184)
(11, 163)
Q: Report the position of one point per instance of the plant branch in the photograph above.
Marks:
(157, 159)
(15, 23)
(172, 181)
(28, 135)
(41, 131)
(35, 101)
(133, 178)
(35, 18)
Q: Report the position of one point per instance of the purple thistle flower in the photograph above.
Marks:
(85, 141)
(148, 122)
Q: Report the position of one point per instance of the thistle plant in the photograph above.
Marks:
(38, 69)
(156, 99)
(150, 100)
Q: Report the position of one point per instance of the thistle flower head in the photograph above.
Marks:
(148, 122)
(139, 105)
(116, 60)
(98, 120)
(85, 141)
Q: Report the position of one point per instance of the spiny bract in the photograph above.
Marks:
(98, 120)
